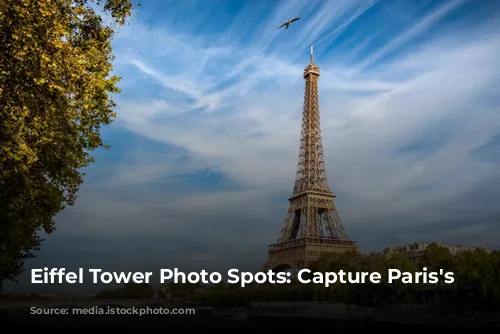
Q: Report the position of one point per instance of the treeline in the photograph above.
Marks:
(476, 273)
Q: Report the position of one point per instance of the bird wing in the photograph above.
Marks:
(284, 24)
(295, 19)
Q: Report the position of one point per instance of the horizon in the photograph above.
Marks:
(205, 145)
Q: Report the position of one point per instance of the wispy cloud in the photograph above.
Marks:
(330, 36)
(417, 29)
(366, 118)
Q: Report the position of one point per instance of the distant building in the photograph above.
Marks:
(416, 250)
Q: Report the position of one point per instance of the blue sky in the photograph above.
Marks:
(204, 149)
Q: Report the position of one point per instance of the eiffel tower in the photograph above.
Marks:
(312, 226)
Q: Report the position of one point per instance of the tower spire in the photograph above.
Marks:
(312, 54)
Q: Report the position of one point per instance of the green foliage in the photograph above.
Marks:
(437, 257)
(477, 273)
(477, 283)
(55, 94)
(480, 270)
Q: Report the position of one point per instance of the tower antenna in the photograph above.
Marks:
(312, 54)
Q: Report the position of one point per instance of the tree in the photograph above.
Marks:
(403, 263)
(55, 94)
(480, 270)
(437, 257)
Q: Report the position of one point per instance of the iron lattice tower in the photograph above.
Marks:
(312, 226)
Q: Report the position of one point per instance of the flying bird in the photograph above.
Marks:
(287, 23)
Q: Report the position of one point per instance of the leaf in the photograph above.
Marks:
(50, 66)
